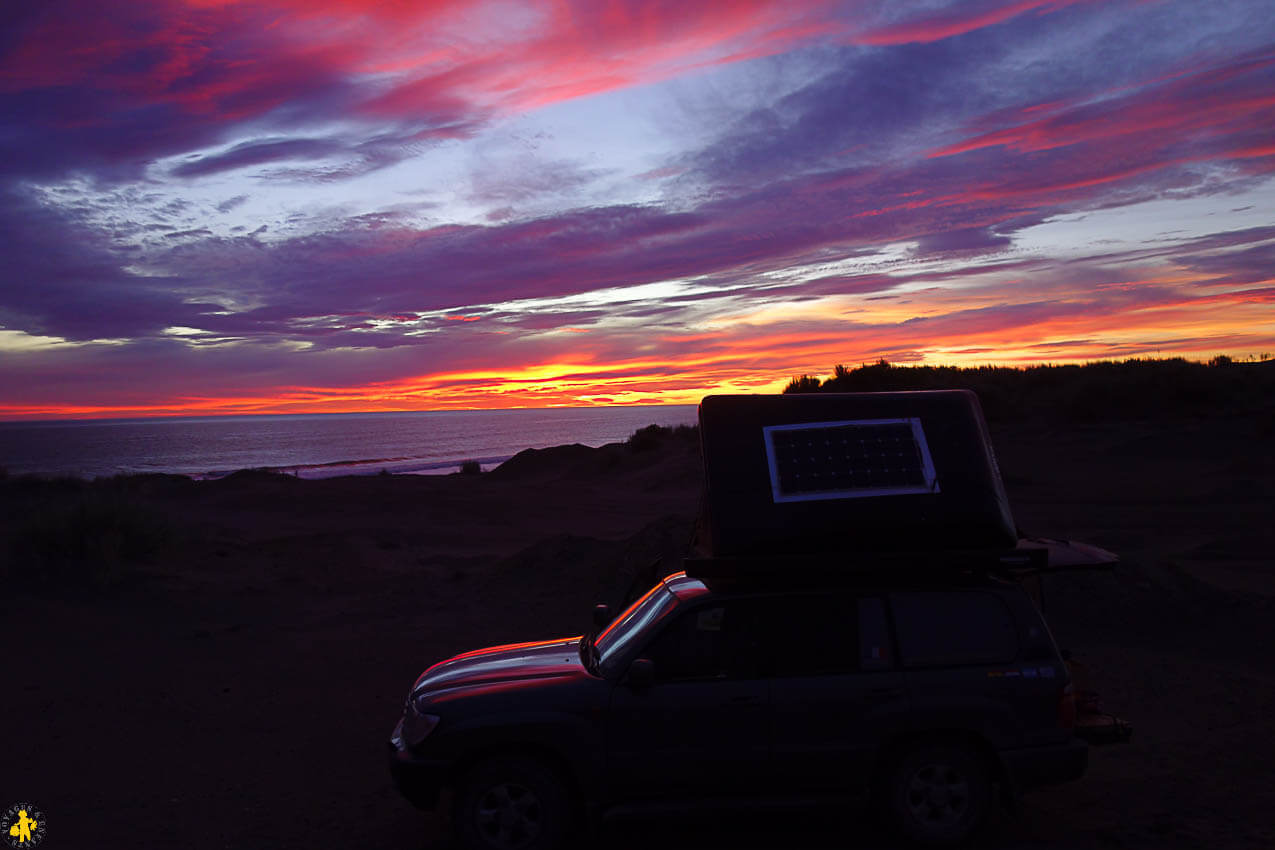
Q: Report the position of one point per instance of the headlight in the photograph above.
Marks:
(416, 724)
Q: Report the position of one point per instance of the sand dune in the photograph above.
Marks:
(231, 683)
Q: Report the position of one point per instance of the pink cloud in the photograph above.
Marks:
(1217, 109)
(127, 74)
(962, 19)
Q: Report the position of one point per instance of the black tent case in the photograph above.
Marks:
(849, 474)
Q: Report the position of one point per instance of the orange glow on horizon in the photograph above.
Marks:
(688, 389)
(1181, 314)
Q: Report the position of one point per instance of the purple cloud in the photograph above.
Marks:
(911, 148)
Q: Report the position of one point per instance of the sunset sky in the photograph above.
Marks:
(336, 205)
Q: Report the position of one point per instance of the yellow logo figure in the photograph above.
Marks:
(26, 826)
(22, 827)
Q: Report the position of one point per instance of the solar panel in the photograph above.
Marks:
(850, 459)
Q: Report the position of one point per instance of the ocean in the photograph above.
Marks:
(314, 445)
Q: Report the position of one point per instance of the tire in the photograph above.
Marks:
(512, 803)
(938, 794)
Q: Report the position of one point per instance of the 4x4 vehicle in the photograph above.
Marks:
(933, 694)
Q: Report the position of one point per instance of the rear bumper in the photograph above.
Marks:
(418, 779)
(1037, 766)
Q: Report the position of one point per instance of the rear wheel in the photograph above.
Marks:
(512, 804)
(939, 793)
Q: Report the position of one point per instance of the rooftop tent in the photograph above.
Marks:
(822, 473)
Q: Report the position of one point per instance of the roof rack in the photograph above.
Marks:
(850, 567)
(1032, 556)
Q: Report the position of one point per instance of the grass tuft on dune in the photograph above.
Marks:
(93, 538)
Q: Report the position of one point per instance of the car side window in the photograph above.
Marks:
(952, 628)
(714, 641)
(828, 633)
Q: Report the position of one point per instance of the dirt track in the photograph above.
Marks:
(240, 695)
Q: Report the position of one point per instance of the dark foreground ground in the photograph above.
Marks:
(236, 691)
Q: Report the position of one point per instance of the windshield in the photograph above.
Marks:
(634, 622)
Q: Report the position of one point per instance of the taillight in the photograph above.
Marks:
(1066, 708)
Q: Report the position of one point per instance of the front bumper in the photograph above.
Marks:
(1037, 766)
(418, 779)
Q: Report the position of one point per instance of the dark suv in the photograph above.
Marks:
(930, 695)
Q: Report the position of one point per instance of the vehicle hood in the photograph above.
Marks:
(507, 663)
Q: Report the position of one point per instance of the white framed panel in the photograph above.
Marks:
(848, 459)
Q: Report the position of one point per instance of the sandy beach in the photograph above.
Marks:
(228, 678)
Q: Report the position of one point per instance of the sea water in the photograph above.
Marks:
(314, 445)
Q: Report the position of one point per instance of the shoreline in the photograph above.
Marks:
(360, 468)
(315, 447)
(405, 465)
(307, 472)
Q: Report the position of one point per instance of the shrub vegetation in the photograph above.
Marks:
(69, 534)
(652, 436)
(1133, 389)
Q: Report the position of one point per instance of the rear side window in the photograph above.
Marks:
(950, 628)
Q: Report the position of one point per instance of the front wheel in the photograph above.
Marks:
(512, 804)
(939, 793)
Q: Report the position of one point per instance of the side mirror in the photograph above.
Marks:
(641, 674)
(602, 616)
